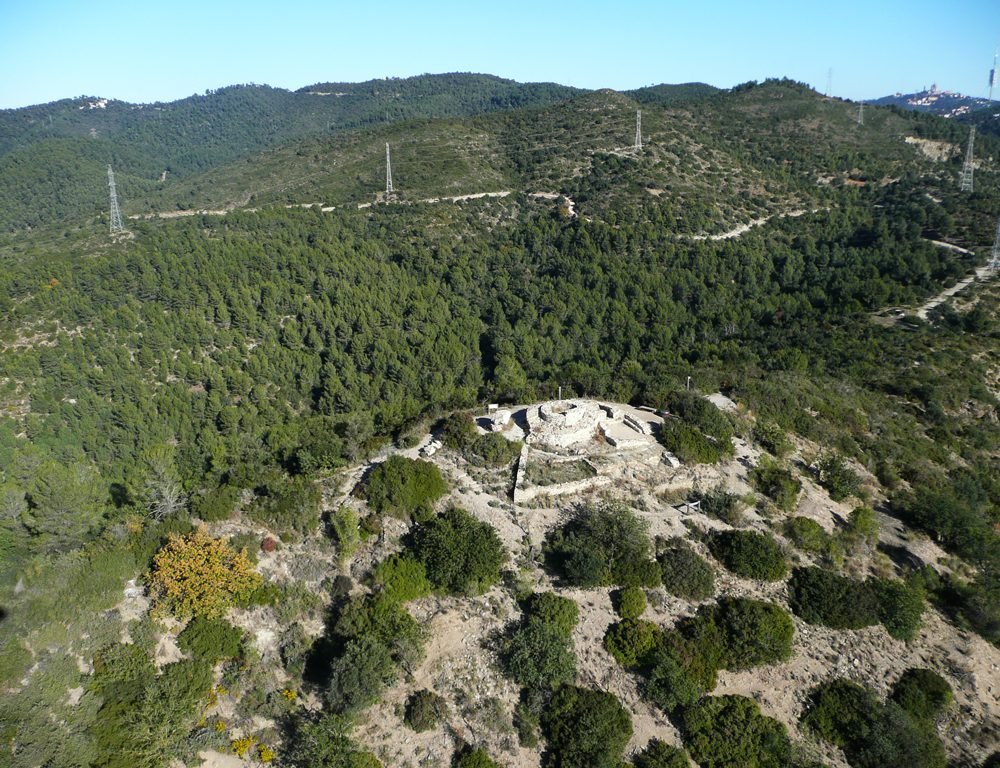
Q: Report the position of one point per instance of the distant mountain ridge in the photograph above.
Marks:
(936, 101)
(55, 150)
(720, 157)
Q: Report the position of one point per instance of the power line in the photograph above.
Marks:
(116, 215)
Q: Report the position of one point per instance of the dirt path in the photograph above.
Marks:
(980, 274)
(571, 205)
(742, 229)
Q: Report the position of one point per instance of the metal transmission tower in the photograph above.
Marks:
(993, 75)
(638, 132)
(388, 173)
(994, 263)
(861, 113)
(965, 183)
(116, 213)
(829, 82)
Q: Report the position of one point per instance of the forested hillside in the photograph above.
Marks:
(52, 156)
(197, 402)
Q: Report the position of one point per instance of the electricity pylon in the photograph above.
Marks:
(116, 215)
(994, 263)
(388, 173)
(965, 183)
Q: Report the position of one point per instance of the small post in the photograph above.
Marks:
(689, 382)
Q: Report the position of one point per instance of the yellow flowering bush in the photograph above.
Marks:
(243, 745)
(196, 575)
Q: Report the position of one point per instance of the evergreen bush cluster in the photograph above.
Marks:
(680, 665)
(827, 598)
(403, 487)
(695, 430)
(684, 572)
(602, 545)
(873, 734)
(749, 554)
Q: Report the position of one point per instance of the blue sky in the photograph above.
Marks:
(145, 51)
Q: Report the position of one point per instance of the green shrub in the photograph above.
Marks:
(555, 610)
(469, 757)
(631, 641)
(776, 482)
(680, 665)
(837, 477)
(289, 506)
(586, 728)
(923, 693)
(526, 723)
(145, 716)
(690, 445)
(840, 710)
(754, 632)
(538, 656)
(210, 639)
(862, 528)
(900, 608)
(359, 675)
(772, 438)
(15, 660)
(403, 487)
(295, 649)
(402, 578)
(424, 710)
(343, 528)
(730, 732)
(721, 504)
(822, 597)
(672, 681)
(602, 545)
(323, 740)
(461, 554)
(384, 620)
(659, 754)
(807, 535)
(685, 573)
(217, 504)
(702, 415)
(630, 602)
(492, 450)
(896, 740)
(749, 554)
(122, 664)
(871, 734)
(457, 431)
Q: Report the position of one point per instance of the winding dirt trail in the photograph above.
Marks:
(742, 229)
(980, 274)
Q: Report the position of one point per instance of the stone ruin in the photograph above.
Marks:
(567, 423)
